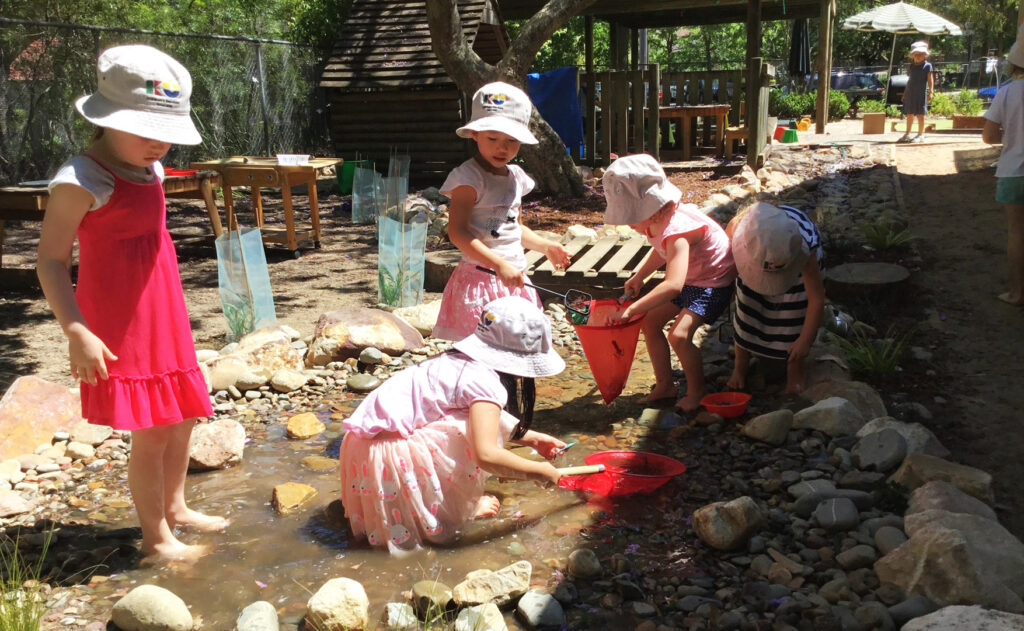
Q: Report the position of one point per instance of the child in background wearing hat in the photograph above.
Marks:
(1004, 122)
(419, 449)
(484, 214)
(129, 337)
(779, 290)
(918, 93)
(699, 270)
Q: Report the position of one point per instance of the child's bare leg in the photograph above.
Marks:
(738, 379)
(796, 379)
(659, 351)
(920, 124)
(146, 480)
(1015, 254)
(680, 336)
(175, 469)
(487, 506)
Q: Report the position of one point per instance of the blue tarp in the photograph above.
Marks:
(990, 91)
(554, 95)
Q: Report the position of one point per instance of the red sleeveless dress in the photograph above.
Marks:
(130, 293)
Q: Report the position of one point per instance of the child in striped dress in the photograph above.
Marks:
(779, 289)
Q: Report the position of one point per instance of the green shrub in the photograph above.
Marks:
(874, 357)
(967, 102)
(883, 234)
(797, 104)
(22, 603)
(893, 111)
(871, 106)
(942, 105)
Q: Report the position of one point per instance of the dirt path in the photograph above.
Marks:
(976, 340)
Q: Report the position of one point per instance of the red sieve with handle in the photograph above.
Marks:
(625, 473)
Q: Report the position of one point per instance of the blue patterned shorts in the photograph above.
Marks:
(707, 302)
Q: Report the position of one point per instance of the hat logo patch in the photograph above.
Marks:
(487, 318)
(769, 266)
(167, 89)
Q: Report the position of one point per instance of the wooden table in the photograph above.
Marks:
(688, 113)
(29, 202)
(263, 172)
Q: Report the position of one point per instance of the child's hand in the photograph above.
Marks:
(548, 446)
(558, 255)
(799, 350)
(621, 316)
(89, 356)
(633, 287)
(548, 473)
(510, 275)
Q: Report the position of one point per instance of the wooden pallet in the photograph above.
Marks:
(607, 264)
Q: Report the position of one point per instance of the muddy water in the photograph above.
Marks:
(284, 559)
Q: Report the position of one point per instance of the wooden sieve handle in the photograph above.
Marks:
(581, 470)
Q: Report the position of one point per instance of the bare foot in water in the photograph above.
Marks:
(660, 393)
(691, 402)
(487, 506)
(737, 381)
(200, 521)
(174, 551)
(1011, 300)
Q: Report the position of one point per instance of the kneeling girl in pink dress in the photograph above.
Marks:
(419, 449)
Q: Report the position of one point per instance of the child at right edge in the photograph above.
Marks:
(699, 270)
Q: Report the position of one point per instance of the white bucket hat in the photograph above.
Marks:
(769, 250)
(635, 188)
(919, 47)
(142, 91)
(500, 107)
(514, 337)
(1016, 54)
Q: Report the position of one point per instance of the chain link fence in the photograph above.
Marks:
(250, 96)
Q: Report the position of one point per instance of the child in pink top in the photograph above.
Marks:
(419, 449)
(699, 270)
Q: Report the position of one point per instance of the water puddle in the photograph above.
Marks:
(285, 559)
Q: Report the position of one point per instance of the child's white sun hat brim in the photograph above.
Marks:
(919, 47)
(769, 250)
(142, 91)
(500, 107)
(636, 187)
(513, 336)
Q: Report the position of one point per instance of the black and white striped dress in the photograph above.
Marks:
(768, 325)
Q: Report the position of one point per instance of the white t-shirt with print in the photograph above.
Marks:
(1008, 110)
(495, 216)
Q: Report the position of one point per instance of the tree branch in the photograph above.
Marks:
(537, 30)
(449, 42)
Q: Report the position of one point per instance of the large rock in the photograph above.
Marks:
(962, 618)
(540, 609)
(304, 425)
(255, 359)
(919, 438)
(771, 428)
(834, 416)
(259, 616)
(499, 587)
(727, 525)
(400, 617)
(287, 380)
(31, 411)
(880, 451)
(339, 605)
(955, 558)
(344, 333)
(216, 445)
(860, 394)
(430, 596)
(917, 469)
(583, 563)
(89, 434)
(939, 495)
(422, 317)
(12, 503)
(837, 514)
(151, 608)
(486, 616)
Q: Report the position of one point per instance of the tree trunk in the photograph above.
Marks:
(548, 162)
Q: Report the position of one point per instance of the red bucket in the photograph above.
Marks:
(625, 473)
(779, 131)
(609, 348)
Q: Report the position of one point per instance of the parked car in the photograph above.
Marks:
(856, 85)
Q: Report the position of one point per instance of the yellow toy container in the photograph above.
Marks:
(804, 124)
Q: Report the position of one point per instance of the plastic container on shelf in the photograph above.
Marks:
(790, 136)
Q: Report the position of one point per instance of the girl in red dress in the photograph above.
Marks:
(129, 337)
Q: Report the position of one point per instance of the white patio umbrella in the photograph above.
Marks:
(900, 19)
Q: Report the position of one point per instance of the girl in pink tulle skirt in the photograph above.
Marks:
(419, 449)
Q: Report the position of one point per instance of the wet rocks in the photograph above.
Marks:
(346, 332)
(287, 380)
(485, 616)
(771, 428)
(151, 608)
(540, 609)
(500, 586)
(834, 416)
(259, 616)
(12, 504)
(959, 617)
(430, 596)
(303, 426)
(89, 434)
(918, 469)
(216, 445)
(836, 514)
(291, 496)
(865, 398)
(939, 495)
(339, 605)
(918, 438)
(727, 525)
(400, 617)
(362, 382)
(880, 451)
(583, 563)
(888, 538)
